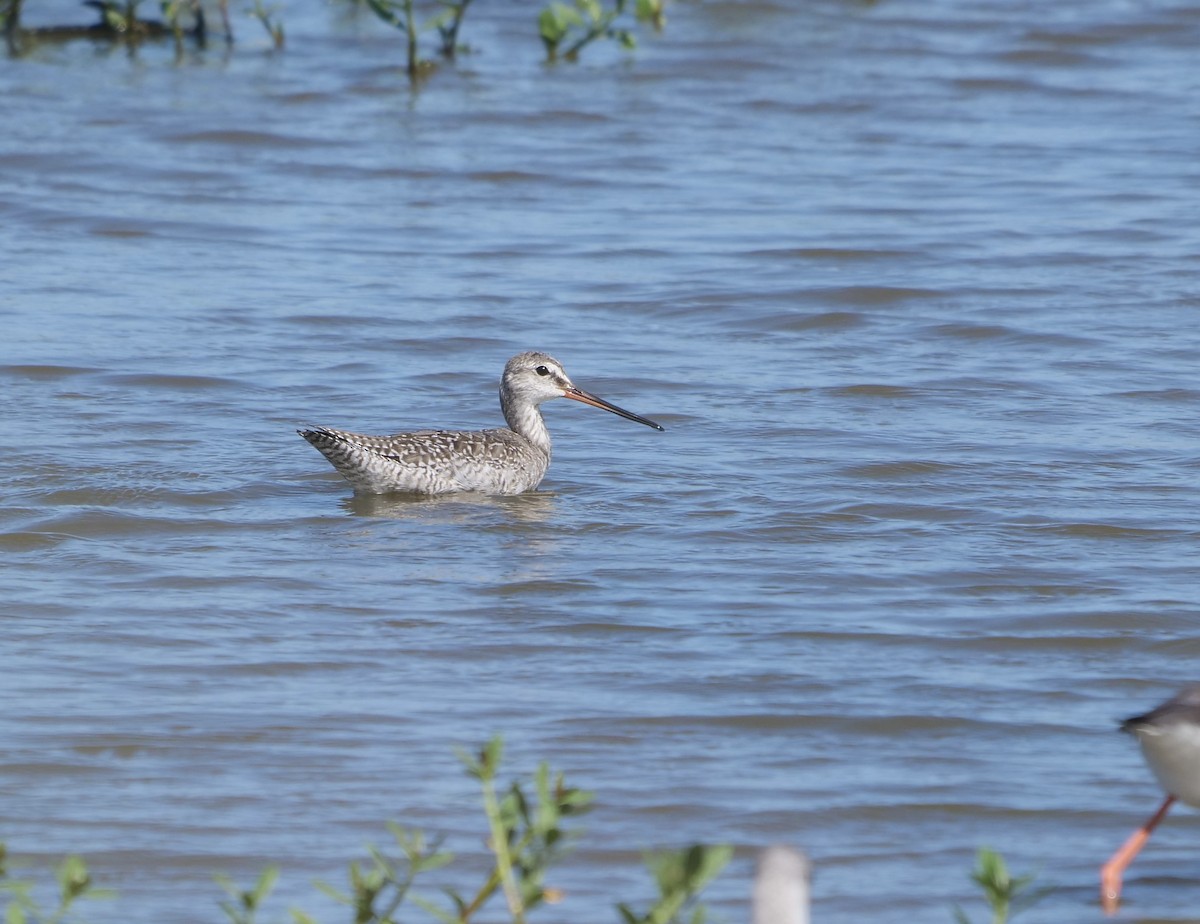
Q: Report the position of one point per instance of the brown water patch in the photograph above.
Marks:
(45, 372)
(796, 321)
(835, 254)
(878, 295)
(890, 471)
(873, 390)
(248, 139)
(170, 382)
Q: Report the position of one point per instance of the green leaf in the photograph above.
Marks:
(434, 861)
(326, 889)
(441, 914)
(550, 26)
(266, 882)
(492, 752)
(555, 21)
(73, 879)
(484, 766)
(1005, 895)
(680, 875)
(459, 902)
(520, 806)
(576, 800)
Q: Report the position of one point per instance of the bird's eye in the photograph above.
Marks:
(542, 370)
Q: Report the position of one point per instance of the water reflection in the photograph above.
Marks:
(533, 507)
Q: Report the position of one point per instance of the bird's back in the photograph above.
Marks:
(1170, 739)
(433, 461)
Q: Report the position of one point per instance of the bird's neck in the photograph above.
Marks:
(526, 420)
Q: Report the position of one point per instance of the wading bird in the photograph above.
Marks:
(1170, 738)
(508, 460)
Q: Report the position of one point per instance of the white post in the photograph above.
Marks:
(781, 887)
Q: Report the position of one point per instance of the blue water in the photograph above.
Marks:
(911, 287)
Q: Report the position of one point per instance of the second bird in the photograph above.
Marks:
(500, 461)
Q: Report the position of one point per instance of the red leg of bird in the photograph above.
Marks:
(1111, 872)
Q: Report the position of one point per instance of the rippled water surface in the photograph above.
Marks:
(913, 288)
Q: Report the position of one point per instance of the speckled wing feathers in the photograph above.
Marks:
(433, 461)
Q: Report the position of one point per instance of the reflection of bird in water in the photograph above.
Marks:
(501, 461)
(533, 507)
(1170, 738)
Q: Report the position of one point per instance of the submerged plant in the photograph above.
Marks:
(527, 833)
(266, 16)
(378, 889)
(173, 18)
(566, 29)
(402, 15)
(74, 884)
(1006, 896)
(680, 875)
(10, 16)
(448, 23)
(245, 902)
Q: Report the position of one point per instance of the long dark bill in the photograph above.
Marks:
(578, 394)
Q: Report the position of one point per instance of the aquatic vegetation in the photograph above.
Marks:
(245, 902)
(120, 21)
(527, 833)
(448, 24)
(266, 16)
(74, 885)
(10, 16)
(402, 15)
(1005, 895)
(566, 29)
(680, 875)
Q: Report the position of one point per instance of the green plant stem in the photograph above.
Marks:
(12, 17)
(485, 892)
(410, 27)
(398, 899)
(601, 26)
(504, 867)
(494, 880)
(450, 32)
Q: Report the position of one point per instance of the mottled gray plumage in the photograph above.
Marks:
(500, 461)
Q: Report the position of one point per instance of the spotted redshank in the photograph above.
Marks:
(508, 460)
